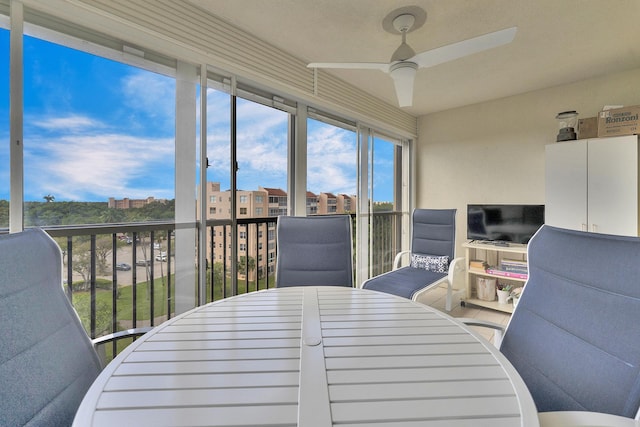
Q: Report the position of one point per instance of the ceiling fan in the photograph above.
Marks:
(405, 62)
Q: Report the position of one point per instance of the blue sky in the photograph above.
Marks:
(95, 128)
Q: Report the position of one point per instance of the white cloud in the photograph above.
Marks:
(91, 167)
(77, 157)
(71, 123)
(332, 160)
(150, 94)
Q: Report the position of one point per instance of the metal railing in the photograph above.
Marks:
(118, 276)
(121, 276)
(256, 255)
(385, 241)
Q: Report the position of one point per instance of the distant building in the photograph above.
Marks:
(327, 203)
(346, 203)
(259, 242)
(312, 203)
(277, 201)
(127, 203)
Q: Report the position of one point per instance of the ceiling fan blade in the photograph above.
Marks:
(352, 65)
(466, 47)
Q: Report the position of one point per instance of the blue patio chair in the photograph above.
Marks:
(575, 334)
(47, 361)
(432, 259)
(314, 250)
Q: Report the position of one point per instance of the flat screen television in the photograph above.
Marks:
(504, 223)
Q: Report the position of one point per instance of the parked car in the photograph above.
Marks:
(123, 267)
(143, 262)
(162, 258)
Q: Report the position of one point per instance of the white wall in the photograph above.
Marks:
(494, 152)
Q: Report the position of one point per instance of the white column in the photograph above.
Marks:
(185, 209)
(297, 173)
(363, 215)
(16, 152)
(202, 240)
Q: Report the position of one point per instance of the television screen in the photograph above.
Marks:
(506, 223)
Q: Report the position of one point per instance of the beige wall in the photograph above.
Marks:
(494, 152)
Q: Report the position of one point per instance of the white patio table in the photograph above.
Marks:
(309, 356)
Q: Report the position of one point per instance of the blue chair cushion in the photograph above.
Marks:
(314, 251)
(405, 281)
(432, 234)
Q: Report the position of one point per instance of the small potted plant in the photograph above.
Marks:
(503, 290)
(515, 295)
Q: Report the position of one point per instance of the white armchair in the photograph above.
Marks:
(432, 242)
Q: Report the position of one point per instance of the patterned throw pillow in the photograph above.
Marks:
(437, 264)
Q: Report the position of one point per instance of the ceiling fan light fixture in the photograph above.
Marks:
(403, 75)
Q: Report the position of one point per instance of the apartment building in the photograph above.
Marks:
(256, 212)
(127, 203)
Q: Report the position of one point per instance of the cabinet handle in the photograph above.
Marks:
(585, 227)
(594, 228)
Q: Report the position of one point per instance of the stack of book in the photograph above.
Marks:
(510, 268)
(513, 265)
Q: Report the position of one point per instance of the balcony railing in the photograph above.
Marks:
(119, 276)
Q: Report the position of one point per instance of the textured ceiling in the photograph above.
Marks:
(558, 42)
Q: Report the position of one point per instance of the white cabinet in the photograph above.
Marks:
(592, 185)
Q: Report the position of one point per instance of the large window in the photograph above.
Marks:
(258, 180)
(99, 138)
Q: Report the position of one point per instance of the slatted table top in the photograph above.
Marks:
(309, 356)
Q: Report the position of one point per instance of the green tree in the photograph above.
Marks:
(103, 250)
(81, 262)
(246, 264)
(4, 213)
(82, 304)
(112, 216)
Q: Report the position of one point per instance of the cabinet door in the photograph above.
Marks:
(613, 185)
(566, 185)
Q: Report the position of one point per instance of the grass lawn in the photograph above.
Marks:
(124, 303)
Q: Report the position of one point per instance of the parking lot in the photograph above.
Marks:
(124, 256)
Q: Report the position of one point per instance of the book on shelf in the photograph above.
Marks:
(513, 262)
(514, 266)
(513, 269)
(503, 273)
(476, 264)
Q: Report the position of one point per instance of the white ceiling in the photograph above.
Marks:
(558, 42)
